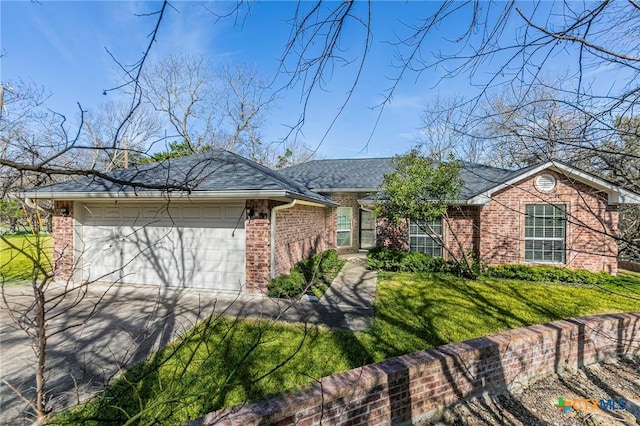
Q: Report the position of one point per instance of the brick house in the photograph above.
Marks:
(220, 221)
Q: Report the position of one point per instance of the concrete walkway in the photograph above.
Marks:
(351, 296)
(114, 327)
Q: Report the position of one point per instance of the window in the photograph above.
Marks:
(344, 226)
(544, 233)
(426, 237)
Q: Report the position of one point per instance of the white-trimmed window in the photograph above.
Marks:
(544, 233)
(344, 226)
(426, 237)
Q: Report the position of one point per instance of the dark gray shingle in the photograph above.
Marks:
(367, 174)
(217, 170)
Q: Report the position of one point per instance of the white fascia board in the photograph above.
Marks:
(63, 195)
(308, 201)
(155, 195)
(449, 203)
(480, 199)
(345, 189)
(616, 195)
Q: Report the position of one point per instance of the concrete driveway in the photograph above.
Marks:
(92, 346)
(114, 326)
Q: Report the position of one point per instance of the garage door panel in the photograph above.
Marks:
(206, 251)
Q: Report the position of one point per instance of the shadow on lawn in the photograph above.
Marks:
(88, 347)
(228, 350)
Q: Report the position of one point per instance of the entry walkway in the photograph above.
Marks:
(349, 301)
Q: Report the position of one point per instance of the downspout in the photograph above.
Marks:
(273, 233)
(33, 205)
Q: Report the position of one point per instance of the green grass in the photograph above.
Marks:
(225, 362)
(421, 311)
(15, 264)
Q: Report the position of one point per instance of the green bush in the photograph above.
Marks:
(386, 259)
(310, 276)
(288, 285)
(545, 273)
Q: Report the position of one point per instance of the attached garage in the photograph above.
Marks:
(199, 245)
(200, 221)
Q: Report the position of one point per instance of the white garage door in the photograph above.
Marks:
(184, 245)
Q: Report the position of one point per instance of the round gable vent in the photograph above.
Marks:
(545, 183)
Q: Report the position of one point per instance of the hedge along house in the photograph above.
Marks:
(550, 213)
(214, 220)
(220, 221)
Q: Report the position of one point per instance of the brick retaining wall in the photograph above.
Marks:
(413, 387)
(629, 266)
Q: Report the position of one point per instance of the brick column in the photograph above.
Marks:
(258, 246)
(63, 240)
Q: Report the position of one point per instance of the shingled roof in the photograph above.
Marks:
(365, 175)
(222, 174)
(217, 171)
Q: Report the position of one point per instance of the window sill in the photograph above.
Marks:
(542, 263)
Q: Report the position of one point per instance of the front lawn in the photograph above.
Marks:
(224, 362)
(15, 264)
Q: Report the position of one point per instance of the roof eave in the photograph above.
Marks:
(155, 195)
(315, 201)
(344, 189)
(364, 202)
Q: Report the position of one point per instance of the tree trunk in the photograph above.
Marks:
(40, 346)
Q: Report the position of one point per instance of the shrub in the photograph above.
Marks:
(289, 285)
(548, 273)
(386, 259)
(310, 276)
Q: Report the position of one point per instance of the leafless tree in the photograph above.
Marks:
(443, 133)
(37, 146)
(183, 89)
(528, 127)
(40, 146)
(246, 105)
(211, 108)
(28, 131)
(494, 45)
(505, 51)
(140, 132)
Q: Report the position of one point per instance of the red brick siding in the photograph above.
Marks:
(258, 246)
(412, 388)
(461, 229)
(302, 231)
(461, 232)
(63, 261)
(392, 235)
(591, 224)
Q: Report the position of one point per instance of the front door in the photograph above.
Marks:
(367, 230)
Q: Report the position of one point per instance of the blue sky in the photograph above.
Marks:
(61, 45)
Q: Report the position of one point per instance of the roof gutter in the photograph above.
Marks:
(327, 190)
(273, 233)
(153, 195)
